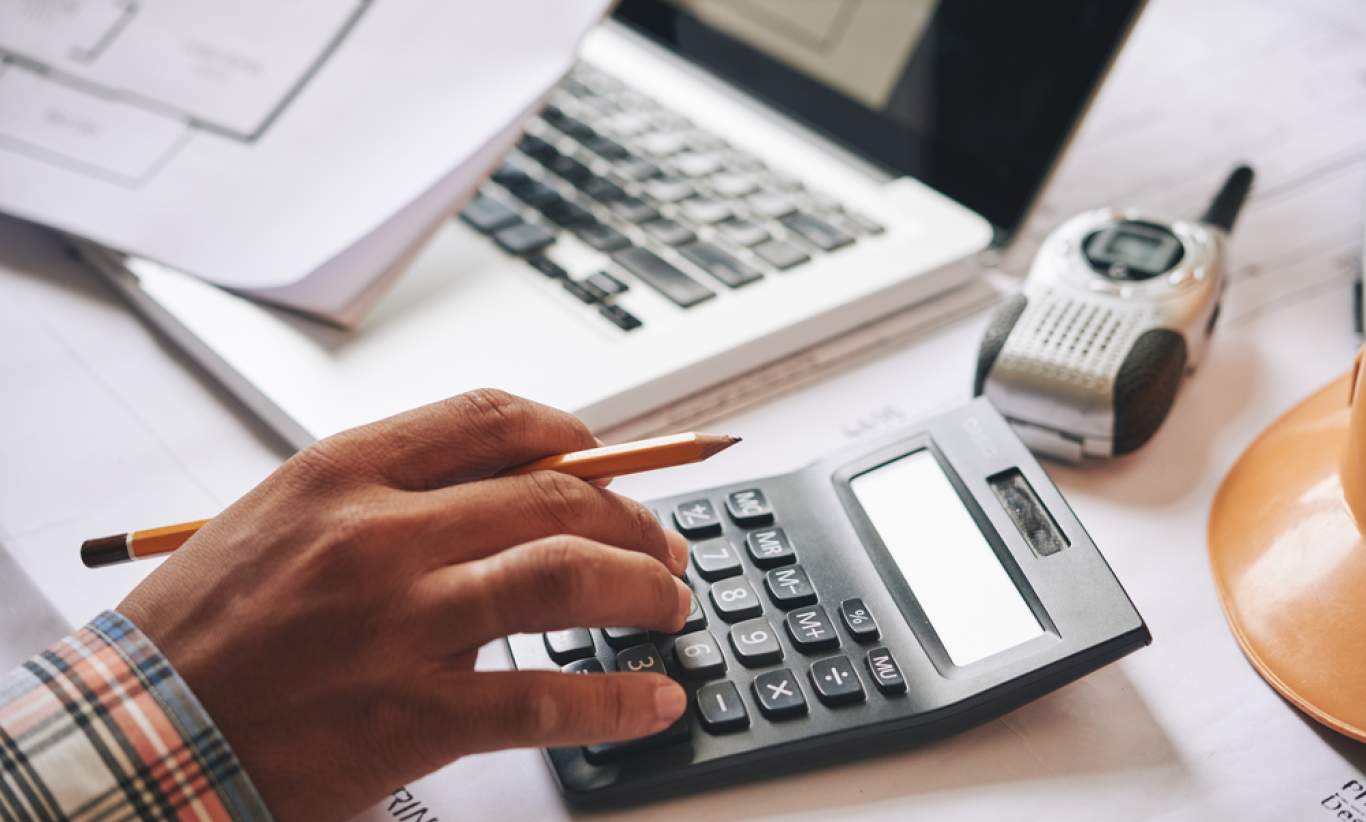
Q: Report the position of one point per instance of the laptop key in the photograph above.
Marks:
(662, 276)
(602, 190)
(570, 215)
(487, 215)
(578, 290)
(668, 189)
(634, 210)
(862, 223)
(533, 146)
(769, 204)
(537, 194)
(601, 236)
(509, 175)
(703, 211)
(662, 143)
(719, 264)
(781, 254)
(669, 232)
(547, 266)
(523, 238)
(606, 148)
(743, 232)
(607, 283)
(569, 168)
(637, 169)
(696, 165)
(816, 231)
(732, 185)
(620, 317)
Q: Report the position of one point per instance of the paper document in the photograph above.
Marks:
(290, 149)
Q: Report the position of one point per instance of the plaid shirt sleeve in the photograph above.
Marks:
(99, 726)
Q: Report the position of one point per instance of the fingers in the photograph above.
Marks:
(481, 518)
(469, 436)
(507, 709)
(550, 584)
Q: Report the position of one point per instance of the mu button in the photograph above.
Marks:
(886, 673)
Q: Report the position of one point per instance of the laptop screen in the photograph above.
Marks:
(974, 97)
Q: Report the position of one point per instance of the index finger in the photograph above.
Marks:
(466, 437)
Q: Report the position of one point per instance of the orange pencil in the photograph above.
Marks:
(592, 464)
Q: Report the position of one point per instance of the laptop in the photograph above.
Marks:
(716, 184)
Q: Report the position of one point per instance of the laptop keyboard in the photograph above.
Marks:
(674, 208)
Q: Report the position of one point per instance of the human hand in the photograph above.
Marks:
(329, 620)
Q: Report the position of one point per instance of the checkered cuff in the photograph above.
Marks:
(100, 726)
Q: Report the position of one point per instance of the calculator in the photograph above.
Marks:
(894, 592)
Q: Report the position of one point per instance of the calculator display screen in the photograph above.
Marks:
(953, 572)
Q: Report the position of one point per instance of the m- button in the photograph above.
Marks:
(749, 507)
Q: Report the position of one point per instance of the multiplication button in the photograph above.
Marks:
(749, 507)
(697, 518)
(836, 681)
(779, 694)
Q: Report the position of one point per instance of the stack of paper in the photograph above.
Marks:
(292, 150)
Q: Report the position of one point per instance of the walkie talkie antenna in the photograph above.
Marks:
(1223, 209)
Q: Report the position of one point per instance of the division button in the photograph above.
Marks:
(790, 587)
(720, 708)
(836, 681)
(698, 655)
(886, 673)
(810, 629)
(859, 620)
(749, 507)
(755, 643)
(716, 559)
(697, 518)
(779, 694)
(770, 548)
(735, 600)
(569, 645)
(584, 666)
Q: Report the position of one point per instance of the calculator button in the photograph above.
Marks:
(836, 681)
(859, 620)
(610, 751)
(716, 559)
(735, 600)
(886, 673)
(749, 507)
(696, 617)
(720, 707)
(790, 587)
(811, 630)
(770, 548)
(568, 645)
(584, 666)
(755, 643)
(639, 658)
(779, 694)
(697, 518)
(625, 637)
(699, 656)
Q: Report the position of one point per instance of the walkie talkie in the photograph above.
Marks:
(1086, 360)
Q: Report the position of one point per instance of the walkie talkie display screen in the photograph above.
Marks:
(957, 580)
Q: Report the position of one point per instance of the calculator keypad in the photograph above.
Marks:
(734, 599)
(741, 556)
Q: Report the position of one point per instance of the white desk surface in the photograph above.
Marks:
(103, 426)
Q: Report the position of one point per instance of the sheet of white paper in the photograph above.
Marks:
(260, 142)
